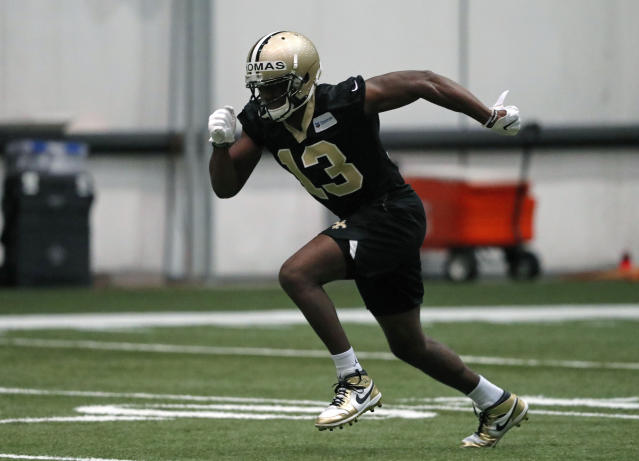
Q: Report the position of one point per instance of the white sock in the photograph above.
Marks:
(486, 394)
(346, 363)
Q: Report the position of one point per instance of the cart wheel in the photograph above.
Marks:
(522, 265)
(461, 265)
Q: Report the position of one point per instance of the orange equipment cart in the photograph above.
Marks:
(463, 216)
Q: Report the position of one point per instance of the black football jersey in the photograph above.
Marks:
(341, 163)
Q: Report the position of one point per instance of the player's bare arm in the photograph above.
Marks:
(230, 167)
(232, 162)
(396, 89)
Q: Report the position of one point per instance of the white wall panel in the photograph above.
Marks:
(587, 211)
(100, 64)
(567, 62)
(128, 217)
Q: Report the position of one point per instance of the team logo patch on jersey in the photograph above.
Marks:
(324, 122)
(339, 225)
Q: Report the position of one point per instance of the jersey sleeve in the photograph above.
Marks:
(348, 95)
(251, 123)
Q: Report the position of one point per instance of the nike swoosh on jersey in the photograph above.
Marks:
(355, 89)
(363, 399)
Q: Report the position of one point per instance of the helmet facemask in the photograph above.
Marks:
(277, 98)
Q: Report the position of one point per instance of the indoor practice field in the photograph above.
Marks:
(235, 373)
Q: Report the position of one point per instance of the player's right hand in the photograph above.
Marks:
(504, 119)
(222, 127)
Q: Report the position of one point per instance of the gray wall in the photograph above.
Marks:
(105, 65)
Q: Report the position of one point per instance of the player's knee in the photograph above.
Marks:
(291, 276)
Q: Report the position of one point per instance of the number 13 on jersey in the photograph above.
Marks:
(353, 179)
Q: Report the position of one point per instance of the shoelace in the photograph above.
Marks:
(341, 387)
(482, 418)
(483, 415)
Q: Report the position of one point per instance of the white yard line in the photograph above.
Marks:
(584, 415)
(54, 458)
(77, 419)
(252, 408)
(295, 353)
(461, 402)
(626, 403)
(491, 314)
(147, 396)
(254, 412)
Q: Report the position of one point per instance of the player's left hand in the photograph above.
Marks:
(504, 119)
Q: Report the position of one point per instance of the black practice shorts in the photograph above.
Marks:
(381, 243)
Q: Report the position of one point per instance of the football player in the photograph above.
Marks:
(327, 136)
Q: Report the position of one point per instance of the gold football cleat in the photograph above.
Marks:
(354, 395)
(495, 421)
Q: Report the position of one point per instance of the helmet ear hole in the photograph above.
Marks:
(307, 77)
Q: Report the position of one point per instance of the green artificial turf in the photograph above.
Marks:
(581, 432)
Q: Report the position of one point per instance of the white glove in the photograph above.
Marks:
(508, 124)
(222, 127)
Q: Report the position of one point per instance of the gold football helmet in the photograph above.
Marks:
(282, 70)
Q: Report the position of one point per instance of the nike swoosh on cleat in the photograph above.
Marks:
(507, 126)
(363, 399)
(508, 416)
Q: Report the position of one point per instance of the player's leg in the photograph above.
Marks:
(408, 342)
(394, 299)
(499, 410)
(302, 277)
